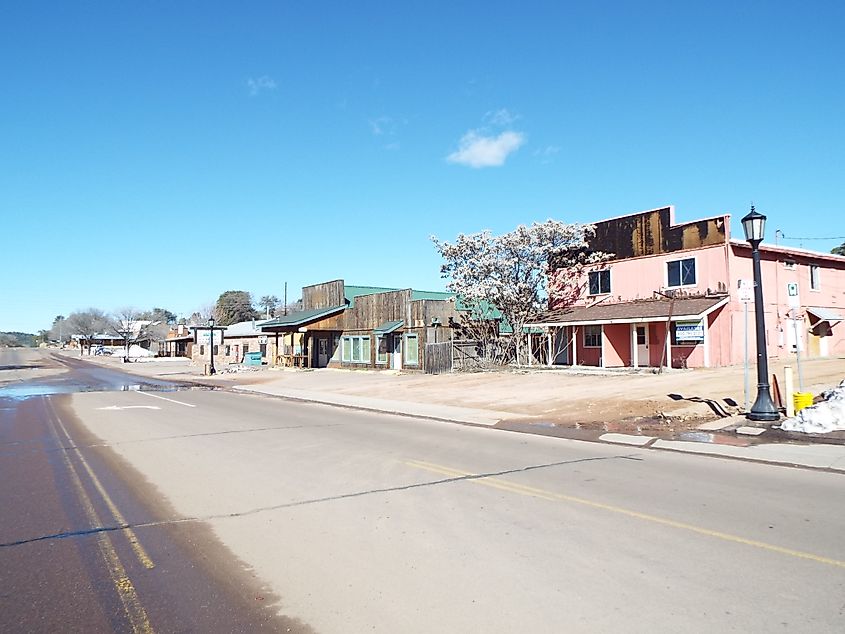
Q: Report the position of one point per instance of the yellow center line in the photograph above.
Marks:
(135, 612)
(550, 495)
(134, 543)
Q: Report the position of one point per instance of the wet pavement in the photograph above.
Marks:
(85, 543)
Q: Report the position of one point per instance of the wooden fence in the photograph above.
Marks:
(452, 356)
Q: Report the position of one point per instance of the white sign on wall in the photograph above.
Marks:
(203, 337)
(689, 331)
(792, 295)
(745, 291)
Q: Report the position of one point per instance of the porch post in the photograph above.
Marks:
(706, 342)
(549, 344)
(669, 347)
(574, 345)
(603, 356)
(276, 353)
(635, 352)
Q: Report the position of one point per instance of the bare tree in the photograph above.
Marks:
(201, 316)
(126, 324)
(86, 324)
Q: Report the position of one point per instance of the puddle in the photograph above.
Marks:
(24, 390)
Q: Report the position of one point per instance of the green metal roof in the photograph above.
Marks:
(388, 327)
(352, 291)
(294, 320)
(431, 295)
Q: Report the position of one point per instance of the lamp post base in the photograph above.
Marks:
(764, 408)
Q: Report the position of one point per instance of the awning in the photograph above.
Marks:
(833, 315)
(632, 312)
(293, 321)
(388, 327)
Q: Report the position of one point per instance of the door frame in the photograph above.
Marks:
(636, 361)
(396, 352)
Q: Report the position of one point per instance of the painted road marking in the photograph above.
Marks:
(165, 399)
(552, 496)
(117, 407)
(135, 612)
(137, 548)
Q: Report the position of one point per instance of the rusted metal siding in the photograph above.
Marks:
(652, 232)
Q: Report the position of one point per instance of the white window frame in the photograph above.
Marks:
(815, 277)
(406, 359)
(598, 272)
(695, 271)
(385, 339)
(348, 354)
(600, 335)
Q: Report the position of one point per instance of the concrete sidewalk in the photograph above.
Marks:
(488, 399)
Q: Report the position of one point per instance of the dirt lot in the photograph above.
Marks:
(614, 401)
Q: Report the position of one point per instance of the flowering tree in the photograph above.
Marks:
(510, 273)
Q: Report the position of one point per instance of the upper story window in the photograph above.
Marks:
(680, 272)
(815, 281)
(789, 265)
(599, 282)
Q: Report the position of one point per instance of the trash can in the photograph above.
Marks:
(252, 358)
(802, 400)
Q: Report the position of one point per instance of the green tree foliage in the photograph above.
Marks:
(840, 250)
(269, 303)
(234, 306)
(159, 314)
(16, 340)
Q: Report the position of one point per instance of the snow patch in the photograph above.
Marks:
(823, 417)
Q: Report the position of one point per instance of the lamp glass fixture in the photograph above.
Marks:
(754, 226)
(211, 322)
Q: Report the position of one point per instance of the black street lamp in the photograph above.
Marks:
(211, 344)
(764, 408)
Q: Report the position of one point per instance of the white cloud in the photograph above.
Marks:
(502, 117)
(260, 84)
(546, 153)
(477, 151)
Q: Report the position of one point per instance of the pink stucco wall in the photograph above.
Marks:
(718, 269)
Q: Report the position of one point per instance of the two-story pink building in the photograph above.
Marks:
(671, 296)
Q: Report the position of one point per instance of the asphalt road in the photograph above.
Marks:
(69, 560)
(346, 521)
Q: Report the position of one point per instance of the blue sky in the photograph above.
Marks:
(158, 154)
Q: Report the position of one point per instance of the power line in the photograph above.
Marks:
(786, 237)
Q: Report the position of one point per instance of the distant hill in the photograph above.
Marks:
(17, 340)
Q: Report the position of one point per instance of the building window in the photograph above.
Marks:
(263, 348)
(592, 336)
(412, 350)
(789, 265)
(227, 350)
(680, 272)
(815, 282)
(356, 349)
(599, 282)
(202, 350)
(381, 348)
